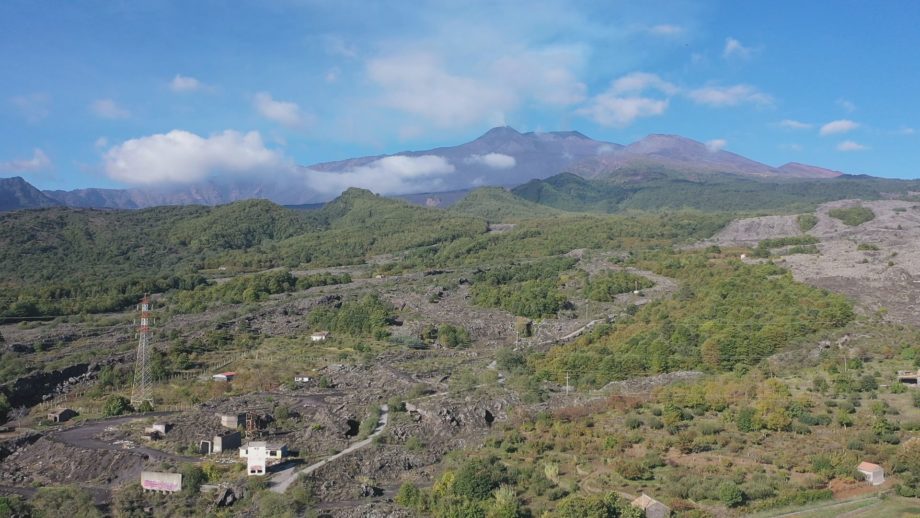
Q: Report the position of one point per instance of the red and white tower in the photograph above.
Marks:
(141, 390)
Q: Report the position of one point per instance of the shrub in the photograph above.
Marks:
(867, 247)
(852, 216)
(477, 478)
(807, 221)
(116, 405)
(730, 494)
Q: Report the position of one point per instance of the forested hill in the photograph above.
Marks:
(62, 260)
(495, 204)
(663, 189)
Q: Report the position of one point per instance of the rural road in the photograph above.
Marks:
(84, 436)
(280, 481)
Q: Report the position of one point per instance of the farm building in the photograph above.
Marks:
(874, 473)
(224, 376)
(909, 377)
(652, 508)
(260, 454)
(232, 421)
(61, 415)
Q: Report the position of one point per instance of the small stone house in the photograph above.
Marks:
(61, 415)
(652, 508)
(874, 473)
(232, 421)
(260, 454)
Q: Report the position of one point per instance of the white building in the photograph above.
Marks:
(224, 376)
(320, 336)
(260, 454)
(302, 379)
(874, 473)
(652, 508)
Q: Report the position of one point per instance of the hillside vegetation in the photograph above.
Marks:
(495, 204)
(659, 189)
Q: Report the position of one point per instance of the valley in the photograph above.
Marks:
(566, 357)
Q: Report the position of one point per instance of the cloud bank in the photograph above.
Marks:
(182, 157)
(39, 162)
(492, 160)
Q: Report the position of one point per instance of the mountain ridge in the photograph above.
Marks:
(501, 156)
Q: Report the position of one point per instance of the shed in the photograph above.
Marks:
(302, 379)
(652, 508)
(224, 376)
(320, 336)
(874, 473)
(232, 421)
(61, 415)
(226, 441)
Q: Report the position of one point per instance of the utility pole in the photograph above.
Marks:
(566, 384)
(141, 390)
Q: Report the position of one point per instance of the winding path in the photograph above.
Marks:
(283, 479)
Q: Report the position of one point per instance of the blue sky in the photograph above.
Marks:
(138, 92)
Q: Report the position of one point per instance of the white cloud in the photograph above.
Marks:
(716, 145)
(181, 84)
(109, 109)
(666, 30)
(492, 160)
(332, 75)
(906, 130)
(33, 107)
(337, 46)
(388, 175)
(838, 126)
(734, 49)
(610, 110)
(101, 143)
(546, 75)
(419, 84)
(39, 162)
(720, 96)
(605, 149)
(626, 100)
(282, 112)
(794, 124)
(637, 82)
(849, 145)
(847, 105)
(181, 157)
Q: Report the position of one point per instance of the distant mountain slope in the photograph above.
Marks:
(16, 194)
(705, 192)
(676, 154)
(500, 157)
(495, 204)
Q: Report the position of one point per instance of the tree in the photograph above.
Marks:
(116, 405)
(477, 478)
(730, 494)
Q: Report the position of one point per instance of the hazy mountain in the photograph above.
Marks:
(673, 153)
(500, 157)
(16, 193)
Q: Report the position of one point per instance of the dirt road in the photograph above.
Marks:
(280, 481)
(84, 436)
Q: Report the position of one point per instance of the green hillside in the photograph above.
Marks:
(64, 261)
(674, 190)
(495, 204)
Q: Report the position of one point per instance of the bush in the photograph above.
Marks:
(867, 247)
(852, 216)
(477, 478)
(730, 494)
(807, 221)
(116, 405)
